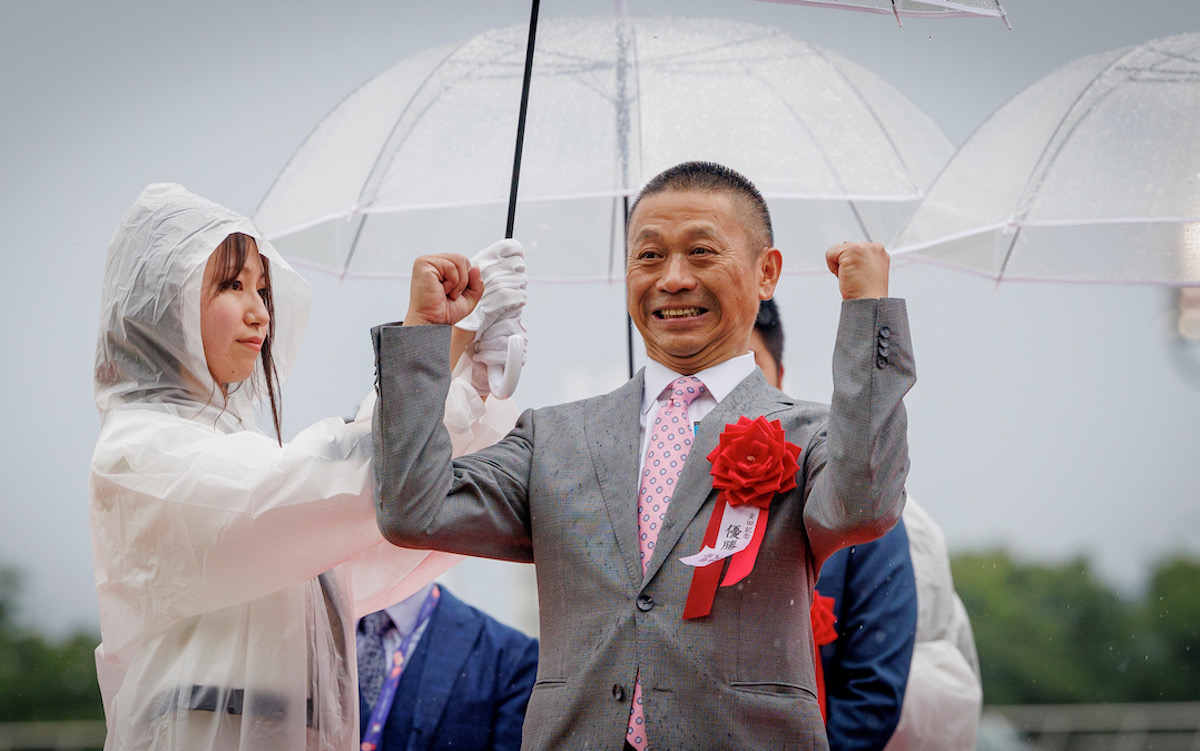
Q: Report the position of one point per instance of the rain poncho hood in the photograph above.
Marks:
(149, 350)
(229, 569)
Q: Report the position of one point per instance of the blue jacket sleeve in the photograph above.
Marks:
(866, 668)
(514, 684)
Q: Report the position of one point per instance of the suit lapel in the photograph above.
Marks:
(452, 632)
(751, 397)
(612, 433)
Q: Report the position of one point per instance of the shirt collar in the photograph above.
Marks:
(719, 380)
(404, 613)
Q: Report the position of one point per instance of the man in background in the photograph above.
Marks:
(462, 679)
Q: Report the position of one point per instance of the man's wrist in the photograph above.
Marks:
(875, 293)
(415, 319)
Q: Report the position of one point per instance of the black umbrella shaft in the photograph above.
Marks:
(516, 173)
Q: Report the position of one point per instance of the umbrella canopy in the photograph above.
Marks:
(424, 149)
(1092, 174)
(928, 8)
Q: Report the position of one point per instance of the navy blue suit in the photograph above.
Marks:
(465, 687)
(866, 669)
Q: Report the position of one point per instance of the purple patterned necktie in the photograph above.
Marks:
(372, 657)
(670, 441)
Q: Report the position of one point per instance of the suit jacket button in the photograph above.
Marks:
(618, 692)
(881, 362)
(885, 332)
(645, 603)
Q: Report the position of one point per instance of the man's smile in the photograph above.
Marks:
(667, 313)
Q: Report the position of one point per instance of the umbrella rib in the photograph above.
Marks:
(875, 116)
(620, 103)
(803, 126)
(637, 75)
(317, 127)
(683, 61)
(705, 54)
(1158, 75)
(381, 157)
(1003, 15)
(551, 198)
(913, 248)
(1008, 253)
(353, 247)
(800, 121)
(858, 218)
(1075, 117)
(948, 10)
(390, 140)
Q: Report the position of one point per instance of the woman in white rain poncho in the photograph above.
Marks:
(230, 569)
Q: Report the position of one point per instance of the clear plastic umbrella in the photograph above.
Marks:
(422, 153)
(1092, 174)
(916, 8)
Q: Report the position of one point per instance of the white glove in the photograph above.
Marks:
(491, 349)
(497, 317)
(502, 266)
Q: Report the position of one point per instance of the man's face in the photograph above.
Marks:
(772, 370)
(694, 279)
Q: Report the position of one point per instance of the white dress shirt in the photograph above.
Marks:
(719, 380)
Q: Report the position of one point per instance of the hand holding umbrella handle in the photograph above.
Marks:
(499, 354)
(503, 379)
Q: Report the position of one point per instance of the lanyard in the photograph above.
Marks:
(387, 694)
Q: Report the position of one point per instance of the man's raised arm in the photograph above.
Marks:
(421, 500)
(859, 493)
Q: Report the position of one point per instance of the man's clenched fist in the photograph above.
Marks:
(445, 288)
(861, 269)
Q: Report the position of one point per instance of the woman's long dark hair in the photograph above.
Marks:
(230, 257)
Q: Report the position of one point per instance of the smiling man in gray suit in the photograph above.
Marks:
(572, 488)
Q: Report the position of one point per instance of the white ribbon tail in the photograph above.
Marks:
(737, 530)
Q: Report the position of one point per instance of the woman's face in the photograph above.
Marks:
(234, 318)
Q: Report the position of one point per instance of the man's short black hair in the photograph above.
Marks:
(710, 176)
(770, 328)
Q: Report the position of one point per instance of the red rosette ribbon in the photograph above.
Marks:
(752, 462)
(824, 633)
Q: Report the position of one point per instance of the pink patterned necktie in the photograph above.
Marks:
(670, 441)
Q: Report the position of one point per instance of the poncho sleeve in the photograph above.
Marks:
(187, 519)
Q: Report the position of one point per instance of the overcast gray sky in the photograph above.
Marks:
(1047, 418)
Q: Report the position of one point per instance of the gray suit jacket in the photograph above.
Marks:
(560, 491)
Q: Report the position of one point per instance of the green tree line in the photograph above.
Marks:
(40, 678)
(1045, 634)
(1050, 634)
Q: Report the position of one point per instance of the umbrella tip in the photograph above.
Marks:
(1003, 15)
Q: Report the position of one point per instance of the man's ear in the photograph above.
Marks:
(770, 266)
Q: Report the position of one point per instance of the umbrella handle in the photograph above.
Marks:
(503, 379)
